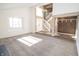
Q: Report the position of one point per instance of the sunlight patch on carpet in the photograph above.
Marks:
(29, 40)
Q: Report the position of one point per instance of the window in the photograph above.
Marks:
(15, 22)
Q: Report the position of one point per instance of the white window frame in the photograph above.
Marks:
(15, 22)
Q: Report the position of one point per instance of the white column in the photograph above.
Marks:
(77, 34)
(54, 27)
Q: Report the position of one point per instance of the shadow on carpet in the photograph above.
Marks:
(3, 51)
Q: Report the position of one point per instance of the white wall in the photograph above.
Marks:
(33, 19)
(25, 12)
(64, 8)
(61, 8)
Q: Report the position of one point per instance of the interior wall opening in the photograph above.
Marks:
(44, 19)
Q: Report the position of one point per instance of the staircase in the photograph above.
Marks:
(46, 25)
(48, 17)
(47, 29)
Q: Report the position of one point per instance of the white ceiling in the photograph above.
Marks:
(11, 5)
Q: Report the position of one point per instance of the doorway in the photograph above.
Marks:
(67, 26)
(44, 19)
